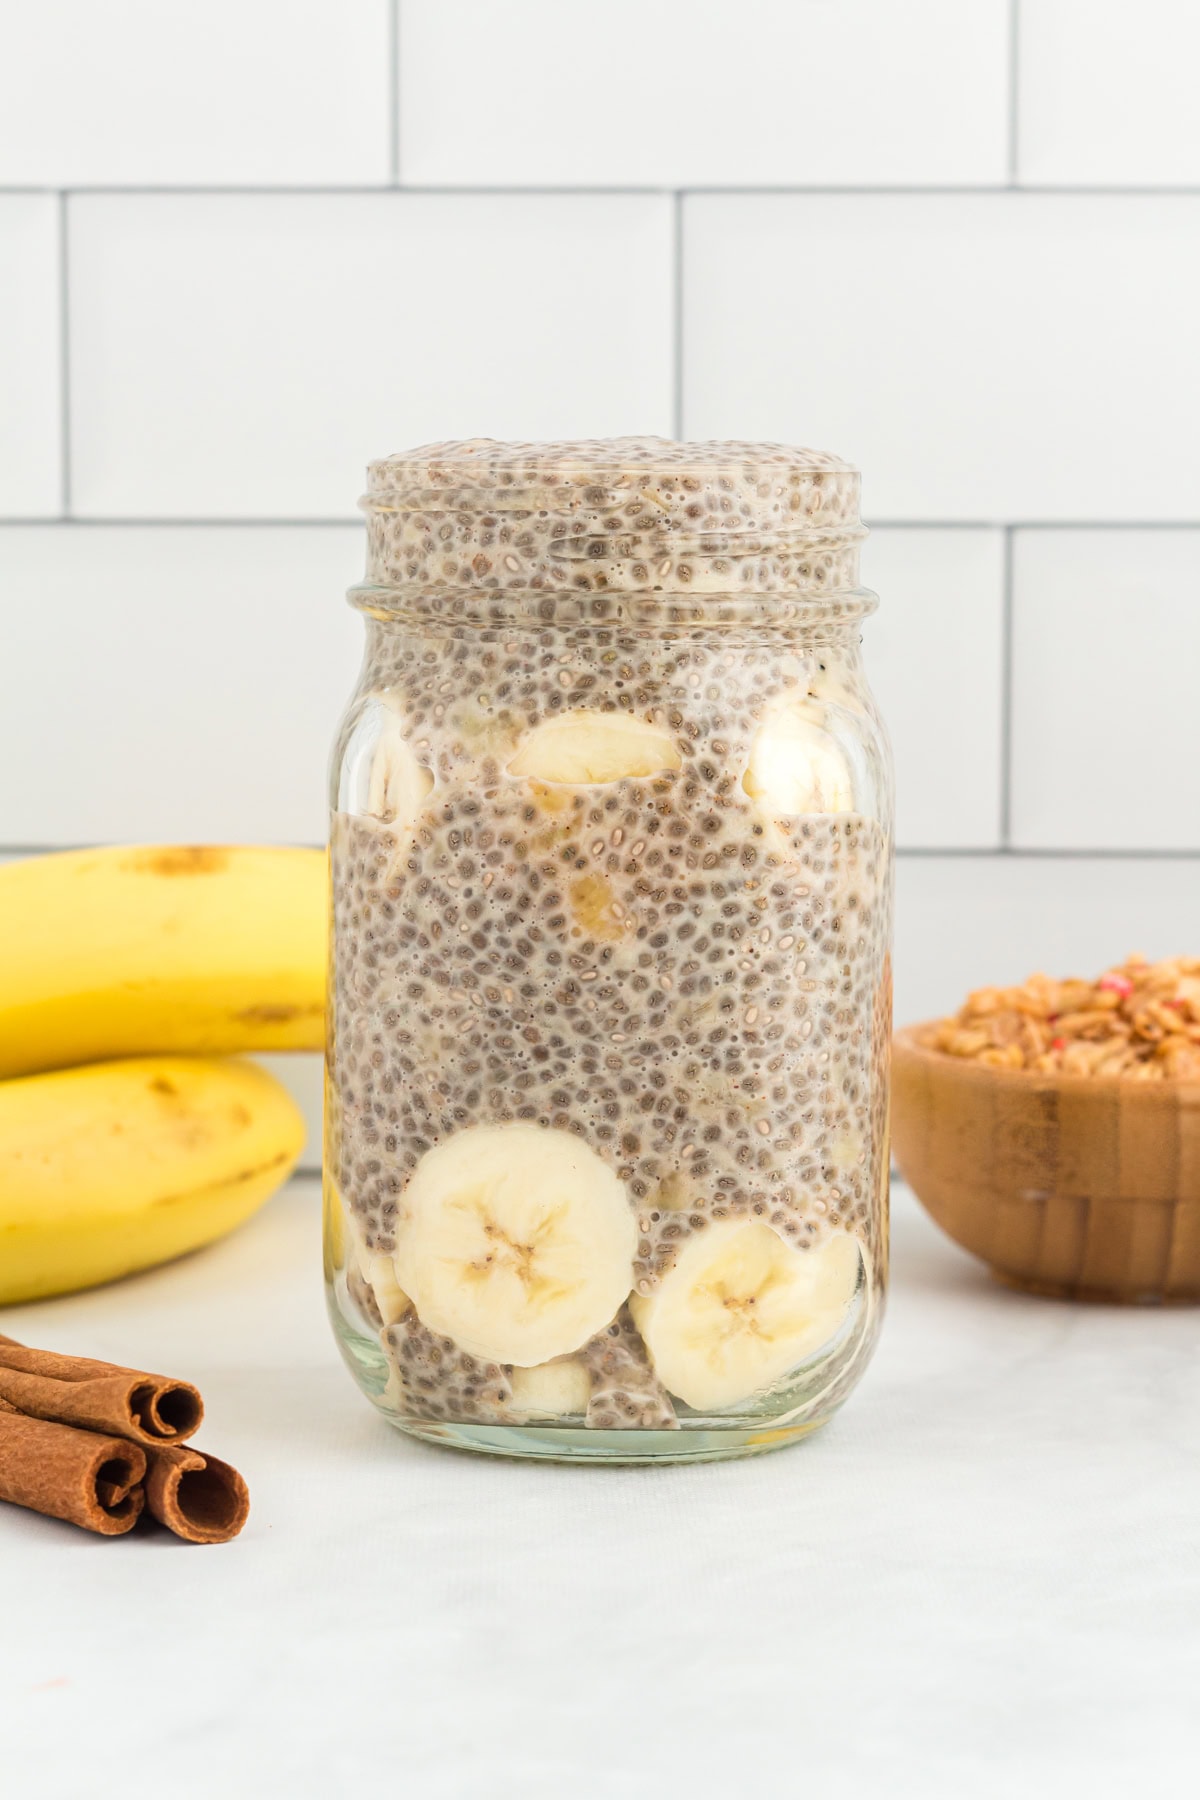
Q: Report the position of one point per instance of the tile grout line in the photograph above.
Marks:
(1034, 525)
(518, 190)
(677, 311)
(1006, 693)
(64, 356)
(1014, 91)
(394, 90)
(230, 521)
(904, 853)
(1010, 853)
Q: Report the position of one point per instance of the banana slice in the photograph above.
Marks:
(398, 786)
(377, 1271)
(740, 1308)
(847, 1151)
(797, 765)
(334, 1221)
(516, 1242)
(552, 1389)
(584, 747)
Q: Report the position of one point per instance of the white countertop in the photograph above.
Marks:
(983, 1579)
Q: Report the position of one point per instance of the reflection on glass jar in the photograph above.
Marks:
(606, 1139)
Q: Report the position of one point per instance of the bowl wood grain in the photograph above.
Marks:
(1063, 1184)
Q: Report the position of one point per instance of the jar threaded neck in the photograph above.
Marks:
(618, 516)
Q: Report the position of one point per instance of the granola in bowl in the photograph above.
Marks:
(1139, 1020)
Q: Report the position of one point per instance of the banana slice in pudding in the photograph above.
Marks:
(398, 786)
(333, 1219)
(551, 1390)
(797, 765)
(740, 1308)
(516, 1242)
(377, 1271)
(582, 748)
(380, 776)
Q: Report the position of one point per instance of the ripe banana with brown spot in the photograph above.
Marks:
(115, 1167)
(130, 951)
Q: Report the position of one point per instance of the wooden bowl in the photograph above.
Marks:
(1080, 1187)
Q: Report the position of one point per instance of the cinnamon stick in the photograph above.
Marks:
(195, 1495)
(98, 1396)
(86, 1477)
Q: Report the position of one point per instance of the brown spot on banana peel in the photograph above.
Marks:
(242, 1176)
(178, 859)
(269, 1014)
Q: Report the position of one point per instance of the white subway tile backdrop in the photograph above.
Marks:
(245, 248)
(935, 655)
(241, 355)
(1108, 93)
(1106, 658)
(240, 91)
(988, 356)
(704, 93)
(30, 342)
(206, 672)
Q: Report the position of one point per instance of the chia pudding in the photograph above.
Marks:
(606, 1120)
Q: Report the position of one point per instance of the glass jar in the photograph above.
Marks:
(611, 854)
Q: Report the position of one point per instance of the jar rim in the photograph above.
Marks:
(635, 515)
(483, 464)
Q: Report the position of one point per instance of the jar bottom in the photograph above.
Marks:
(697, 1439)
(576, 1444)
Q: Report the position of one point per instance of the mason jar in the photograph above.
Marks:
(606, 1166)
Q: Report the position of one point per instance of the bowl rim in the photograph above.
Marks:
(907, 1039)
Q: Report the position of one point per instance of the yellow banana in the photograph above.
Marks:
(333, 1236)
(120, 952)
(115, 1167)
